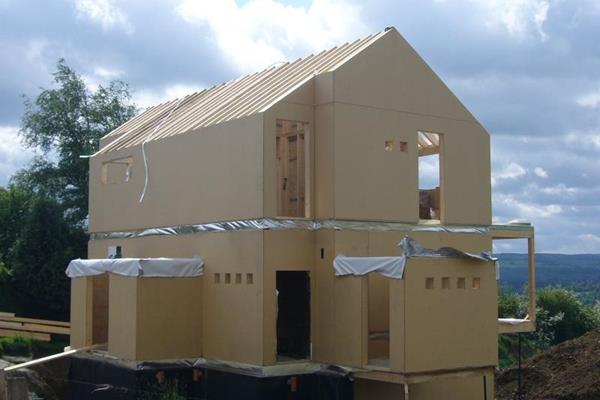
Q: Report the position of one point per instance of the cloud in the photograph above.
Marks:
(517, 17)
(105, 13)
(13, 156)
(147, 98)
(263, 32)
(540, 172)
(588, 243)
(589, 100)
(510, 171)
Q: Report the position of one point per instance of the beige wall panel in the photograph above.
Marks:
(389, 74)
(462, 388)
(323, 88)
(398, 323)
(228, 308)
(450, 328)
(189, 177)
(374, 390)
(100, 298)
(291, 250)
(305, 94)
(374, 184)
(122, 326)
(385, 243)
(81, 312)
(292, 112)
(324, 160)
(169, 318)
(351, 302)
(371, 183)
(325, 340)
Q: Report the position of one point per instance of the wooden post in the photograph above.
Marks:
(3, 386)
(531, 271)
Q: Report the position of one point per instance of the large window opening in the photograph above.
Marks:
(291, 143)
(293, 315)
(430, 175)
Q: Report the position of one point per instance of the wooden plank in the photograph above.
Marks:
(524, 326)
(44, 337)
(27, 327)
(52, 357)
(6, 315)
(35, 321)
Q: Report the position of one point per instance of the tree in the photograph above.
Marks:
(68, 122)
(41, 253)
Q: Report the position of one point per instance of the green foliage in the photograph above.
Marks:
(41, 253)
(560, 316)
(15, 346)
(577, 318)
(69, 120)
(170, 390)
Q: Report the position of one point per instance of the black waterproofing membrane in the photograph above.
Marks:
(94, 376)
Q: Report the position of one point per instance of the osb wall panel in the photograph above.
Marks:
(389, 74)
(371, 183)
(229, 308)
(454, 327)
(81, 312)
(169, 318)
(122, 325)
(468, 387)
(189, 175)
(387, 92)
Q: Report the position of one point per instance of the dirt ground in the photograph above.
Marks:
(568, 371)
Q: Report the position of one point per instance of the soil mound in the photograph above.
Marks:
(568, 371)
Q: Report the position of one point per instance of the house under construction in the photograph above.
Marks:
(336, 214)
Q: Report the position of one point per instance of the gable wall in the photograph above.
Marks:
(387, 92)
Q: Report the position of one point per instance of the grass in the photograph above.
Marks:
(18, 346)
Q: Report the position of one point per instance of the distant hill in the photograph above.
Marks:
(580, 272)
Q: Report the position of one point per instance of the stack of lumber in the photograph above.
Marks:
(37, 329)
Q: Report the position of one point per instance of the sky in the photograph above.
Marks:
(529, 70)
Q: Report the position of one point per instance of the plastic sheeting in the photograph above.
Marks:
(282, 224)
(393, 267)
(138, 267)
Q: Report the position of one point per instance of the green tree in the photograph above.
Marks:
(577, 318)
(14, 206)
(67, 122)
(41, 253)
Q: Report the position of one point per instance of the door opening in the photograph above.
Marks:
(430, 175)
(291, 168)
(293, 315)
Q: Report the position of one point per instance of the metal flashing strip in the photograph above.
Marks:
(304, 224)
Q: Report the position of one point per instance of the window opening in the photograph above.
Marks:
(430, 175)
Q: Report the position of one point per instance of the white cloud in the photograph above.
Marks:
(540, 172)
(148, 97)
(587, 243)
(263, 32)
(583, 140)
(13, 155)
(510, 171)
(589, 100)
(526, 210)
(518, 17)
(104, 12)
(559, 190)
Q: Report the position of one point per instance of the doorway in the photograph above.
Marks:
(293, 315)
(291, 168)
